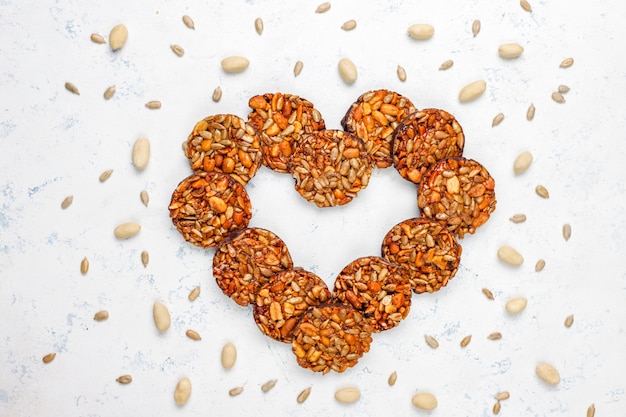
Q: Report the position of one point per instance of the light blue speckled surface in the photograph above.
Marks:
(54, 144)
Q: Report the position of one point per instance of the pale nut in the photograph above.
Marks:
(548, 373)
(522, 162)
(182, 391)
(510, 50)
(118, 36)
(515, 305)
(424, 401)
(229, 355)
(421, 31)
(126, 230)
(472, 91)
(161, 316)
(234, 64)
(347, 395)
(347, 70)
(141, 153)
(510, 256)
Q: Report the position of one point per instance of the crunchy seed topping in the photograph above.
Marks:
(67, 201)
(108, 93)
(72, 88)
(188, 21)
(446, 65)
(466, 340)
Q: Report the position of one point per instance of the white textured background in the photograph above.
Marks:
(54, 144)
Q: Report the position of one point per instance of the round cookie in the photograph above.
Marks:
(248, 259)
(459, 193)
(426, 249)
(206, 207)
(224, 143)
(330, 167)
(331, 337)
(377, 288)
(281, 120)
(423, 138)
(282, 300)
(373, 118)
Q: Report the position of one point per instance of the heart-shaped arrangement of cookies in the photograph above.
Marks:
(330, 328)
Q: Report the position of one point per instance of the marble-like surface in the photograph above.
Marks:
(54, 144)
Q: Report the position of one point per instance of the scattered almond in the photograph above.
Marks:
(161, 315)
(101, 315)
(234, 64)
(348, 395)
(472, 91)
(510, 50)
(347, 70)
(510, 256)
(182, 391)
(126, 230)
(229, 355)
(548, 373)
(421, 31)
(515, 305)
(141, 153)
(118, 36)
(424, 401)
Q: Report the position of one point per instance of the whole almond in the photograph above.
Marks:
(522, 162)
(229, 355)
(510, 256)
(424, 401)
(101, 315)
(548, 373)
(141, 153)
(118, 36)
(347, 70)
(182, 391)
(472, 91)
(515, 305)
(510, 50)
(421, 31)
(126, 230)
(234, 64)
(161, 315)
(347, 395)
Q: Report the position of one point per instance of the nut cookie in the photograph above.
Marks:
(224, 143)
(423, 138)
(378, 289)
(330, 167)
(206, 207)
(281, 120)
(331, 337)
(282, 300)
(459, 193)
(373, 118)
(247, 260)
(426, 249)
